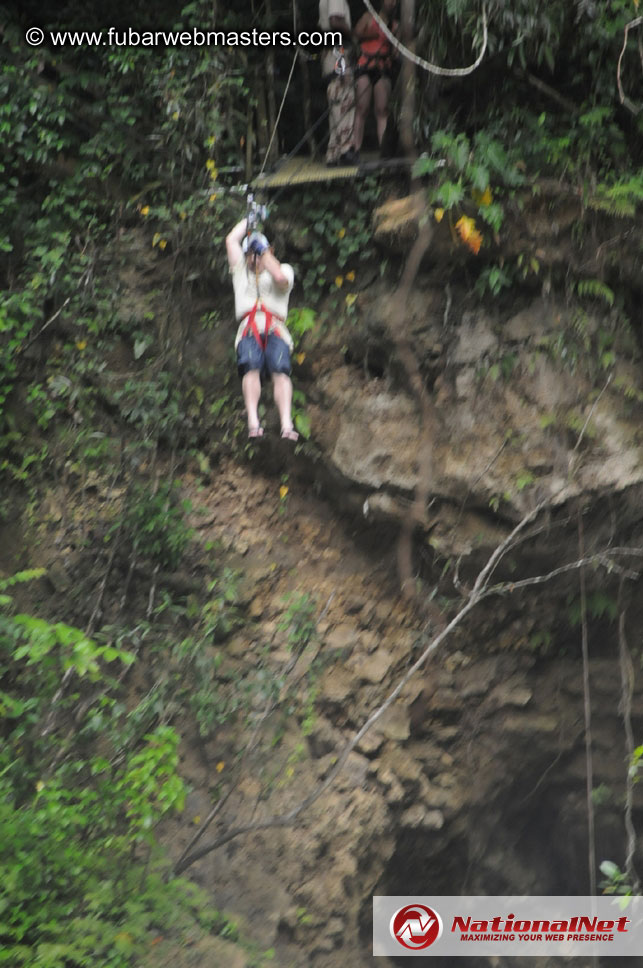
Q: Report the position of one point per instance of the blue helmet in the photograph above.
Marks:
(255, 243)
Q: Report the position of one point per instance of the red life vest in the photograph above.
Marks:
(376, 48)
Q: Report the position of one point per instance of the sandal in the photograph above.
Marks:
(289, 434)
(255, 432)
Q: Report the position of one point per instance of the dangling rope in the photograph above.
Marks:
(419, 61)
(281, 106)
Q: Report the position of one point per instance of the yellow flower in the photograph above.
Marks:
(220, 765)
(175, 116)
(341, 233)
(210, 164)
(156, 239)
(162, 243)
(438, 214)
(183, 215)
(213, 174)
(81, 344)
(350, 276)
(300, 357)
(283, 490)
(145, 210)
(351, 298)
(40, 786)
(213, 197)
(339, 281)
(196, 819)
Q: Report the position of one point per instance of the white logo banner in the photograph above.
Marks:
(562, 926)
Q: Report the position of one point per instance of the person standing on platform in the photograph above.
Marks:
(374, 70)
(338, 74)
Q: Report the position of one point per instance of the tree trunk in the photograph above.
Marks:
(407, 112)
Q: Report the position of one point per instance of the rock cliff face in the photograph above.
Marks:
(525, 411)
(474, 780)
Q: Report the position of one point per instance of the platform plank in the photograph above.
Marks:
(304, 171)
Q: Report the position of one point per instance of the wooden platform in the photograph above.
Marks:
(305, 170)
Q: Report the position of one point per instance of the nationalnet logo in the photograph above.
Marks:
(416, 926)
(502, 925)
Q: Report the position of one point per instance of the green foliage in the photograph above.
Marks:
(619, 197)
(300, 417)
(154, 525)
(599, 605)
(595, 289)
(616, 881)
(73, 888)
(635, 766)
(301, 321)
(462, 172)
(299, 622)
(197, 662)
(494, 278)
(340, 238)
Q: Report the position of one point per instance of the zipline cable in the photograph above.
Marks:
(281, 106)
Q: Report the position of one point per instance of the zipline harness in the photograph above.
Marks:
(256, 213)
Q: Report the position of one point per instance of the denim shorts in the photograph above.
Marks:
(250, 356)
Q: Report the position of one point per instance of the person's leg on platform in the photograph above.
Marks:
(362, 104)
(382, 97)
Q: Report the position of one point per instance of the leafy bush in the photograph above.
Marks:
(76, 885)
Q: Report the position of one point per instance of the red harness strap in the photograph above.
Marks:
(251, 325)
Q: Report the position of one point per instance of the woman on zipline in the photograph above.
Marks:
(374, 70)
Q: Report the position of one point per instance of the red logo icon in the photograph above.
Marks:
(416, 926)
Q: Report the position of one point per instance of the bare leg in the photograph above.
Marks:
(282, 390)
(251, 388)
(382, 96)
(363, 102)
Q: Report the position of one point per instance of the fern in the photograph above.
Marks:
(619, 199)
(595, 289)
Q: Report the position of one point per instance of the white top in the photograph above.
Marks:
(270, 295)
(328, 9)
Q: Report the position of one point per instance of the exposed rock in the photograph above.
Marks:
(508, 694)
(338, 683)
(418, 816)
(476, 339)
(387, 457)
(531, 723)
(374, 667)
(341, 638)
(395, 723)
